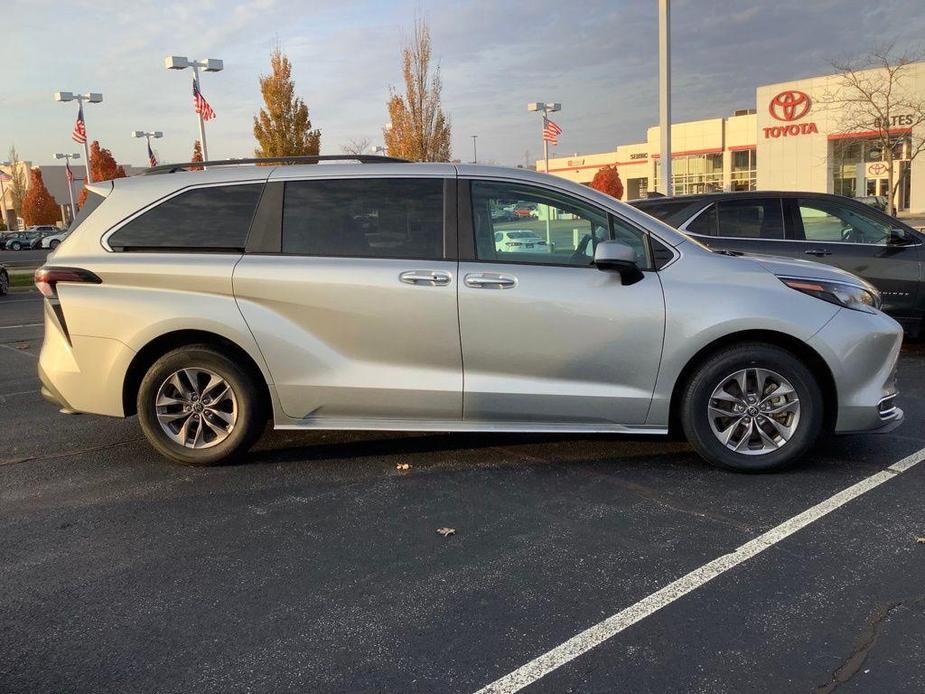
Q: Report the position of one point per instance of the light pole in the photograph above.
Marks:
(475, 152)
(89, 97)
(70, 188)
(3, 176)
(147, 135)
(545, 109)
(664, 94)
(179, 62)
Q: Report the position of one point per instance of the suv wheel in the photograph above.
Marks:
(4, 283)
(15, 246)
(752, 407)
(53, 244)
(198, 407)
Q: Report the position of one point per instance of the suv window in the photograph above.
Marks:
(751, 218)
(364, 218)
(704, 223)
(215, 218)
(666, 211)
(550, 229)
(825, 220)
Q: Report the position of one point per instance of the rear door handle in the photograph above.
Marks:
(427, 278)
(818, 252)
(490, 280)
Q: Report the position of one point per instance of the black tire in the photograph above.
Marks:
(717, 367)
(250, 397)
(4, 283)
(15, 246)
(53, 244)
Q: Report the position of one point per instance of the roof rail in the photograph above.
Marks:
(300, 159)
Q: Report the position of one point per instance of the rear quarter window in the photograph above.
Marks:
(208, 219)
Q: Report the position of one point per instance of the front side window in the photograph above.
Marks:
(824, 220)
(751, 219)
(543, 226)
(364, 218)
(209, 219)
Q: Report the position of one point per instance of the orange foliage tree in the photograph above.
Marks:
(197, 155)
(607, 180)
(103, 167)
(38, 206)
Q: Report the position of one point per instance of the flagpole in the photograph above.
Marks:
(545, 144)
(89, 176)
(202, 124)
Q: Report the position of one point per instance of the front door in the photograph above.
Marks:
(356, 316)
(863, 243)
(546, 337)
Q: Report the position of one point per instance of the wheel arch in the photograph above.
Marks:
(807, 354)
(162, 344)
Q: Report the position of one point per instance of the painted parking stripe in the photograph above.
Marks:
(613, 625)
(22, 325)
(19, 351)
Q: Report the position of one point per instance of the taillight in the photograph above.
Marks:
(47, 278)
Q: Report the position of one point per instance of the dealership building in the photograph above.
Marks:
(799, 136)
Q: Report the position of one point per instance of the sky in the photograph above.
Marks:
(599, 58)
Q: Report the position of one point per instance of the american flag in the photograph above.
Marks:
(4, 176)
(200, 105)
(79, 134)
(152, 160)
(68, 172)
(551, 131)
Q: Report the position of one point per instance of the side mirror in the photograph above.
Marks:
(616, 256)
(898, 237)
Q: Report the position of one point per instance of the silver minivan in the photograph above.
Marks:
(374, 295)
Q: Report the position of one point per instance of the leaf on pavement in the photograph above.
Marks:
(446, 532)
(403, 466)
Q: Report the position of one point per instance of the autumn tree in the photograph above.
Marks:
(103, 167)
(197, 155)
(283, 128)
(18, 183)
(607, 180)
(38, 206)
(418, 130)
(877, 94)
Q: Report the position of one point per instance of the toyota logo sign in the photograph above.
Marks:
(877, 169)
(789, 105)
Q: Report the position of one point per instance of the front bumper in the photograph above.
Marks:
(861, 350)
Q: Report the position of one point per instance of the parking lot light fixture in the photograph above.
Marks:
(147, 135)
(81, 137)
(70, 187)
(181, 62)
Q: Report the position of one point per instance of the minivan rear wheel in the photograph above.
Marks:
(752, 407)
(198, 407)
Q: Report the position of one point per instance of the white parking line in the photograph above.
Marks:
(22, 325)
(19, 351)
(613, 625)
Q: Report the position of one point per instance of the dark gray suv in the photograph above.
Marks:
(826, 228)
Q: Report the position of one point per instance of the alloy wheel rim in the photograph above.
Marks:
(196, 408)
(754, 411)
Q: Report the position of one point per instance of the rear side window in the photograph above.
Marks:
(704, 223)
(751, 219)
(207, 219)
(364, 218)
(664, 211)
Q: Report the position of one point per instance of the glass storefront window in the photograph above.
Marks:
(695, 173)
(744, 170)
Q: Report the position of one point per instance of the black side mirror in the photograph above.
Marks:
(616, 256)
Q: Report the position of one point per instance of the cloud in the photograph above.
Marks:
(597, 57)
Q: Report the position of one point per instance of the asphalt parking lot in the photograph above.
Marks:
(316, 566)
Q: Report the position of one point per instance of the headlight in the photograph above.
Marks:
(844, 294)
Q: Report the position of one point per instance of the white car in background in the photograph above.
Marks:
(520, 241)
(54, 240)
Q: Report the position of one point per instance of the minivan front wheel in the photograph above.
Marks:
(198, 407)
(752, 407)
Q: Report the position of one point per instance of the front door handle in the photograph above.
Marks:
(490, 280)
(818, 252)
(427, 278)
